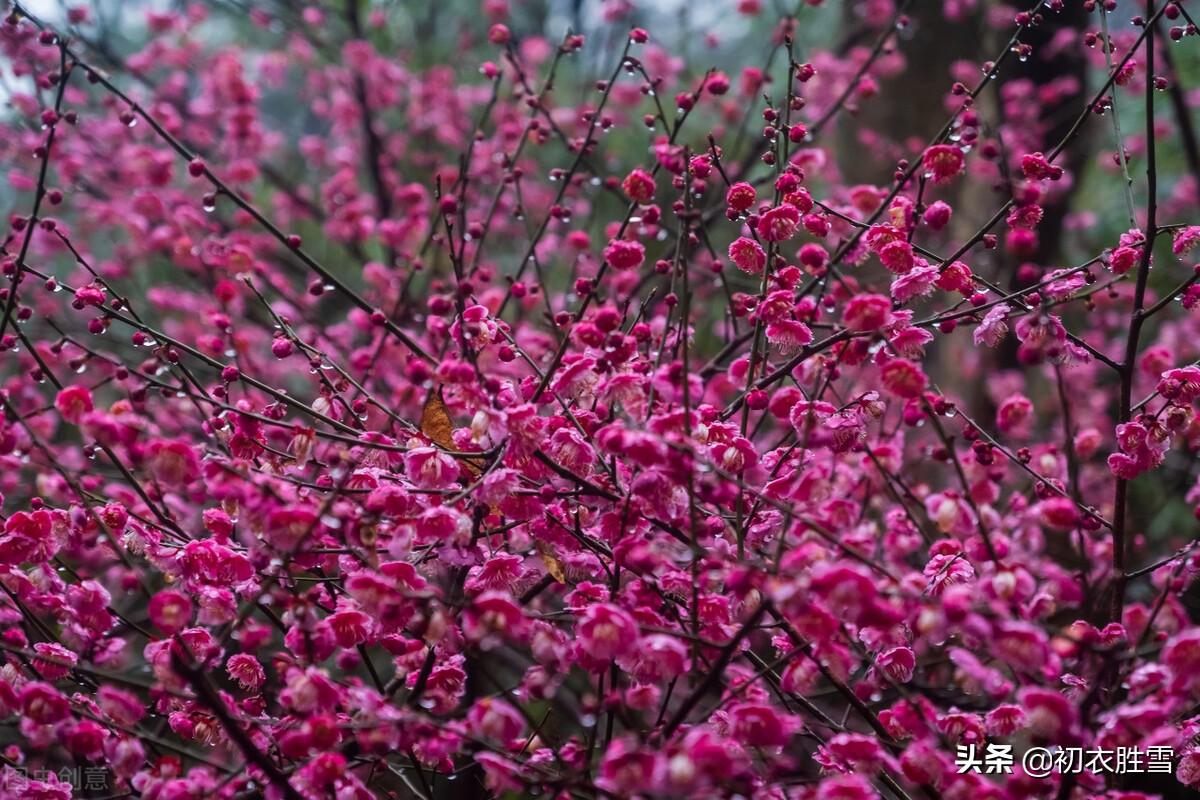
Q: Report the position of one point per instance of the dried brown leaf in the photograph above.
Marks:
(435, 421)
(437, 426)
(553, 565)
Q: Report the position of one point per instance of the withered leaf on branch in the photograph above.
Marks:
(437, 426)
(435, 421)
(553, 565)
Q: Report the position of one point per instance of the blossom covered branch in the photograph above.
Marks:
(563, 417)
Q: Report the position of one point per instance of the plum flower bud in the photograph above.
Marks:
(717, 83)
(1021, 242)
(1059, 513)
(1035, 166)
(937, 216)
(93, 294)
(1113, 634)
(1013, 413)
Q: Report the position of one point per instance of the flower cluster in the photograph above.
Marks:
(597, 414)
